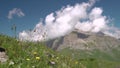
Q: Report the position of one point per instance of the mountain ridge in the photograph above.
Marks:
(84, 40)
(87, 45)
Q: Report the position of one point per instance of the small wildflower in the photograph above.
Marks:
(76, 62)
(11, 63)
(52, 63)
(57, 57)
(37, 58)
(34, 53)
(33, 66)
(27, 59)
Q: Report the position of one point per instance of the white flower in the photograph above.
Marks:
(11, 63)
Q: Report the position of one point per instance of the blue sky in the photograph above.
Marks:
(35, 9)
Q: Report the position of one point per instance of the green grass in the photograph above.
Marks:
(97, 54)
(37, 55)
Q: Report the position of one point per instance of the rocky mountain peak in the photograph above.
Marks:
(84, 41)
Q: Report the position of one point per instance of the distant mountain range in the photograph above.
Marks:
(84, 41)
(86, 44)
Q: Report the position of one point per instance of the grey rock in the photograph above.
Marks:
(3, 56)
(84, 41)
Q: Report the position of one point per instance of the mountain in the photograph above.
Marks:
(97, 45)
(84, 41)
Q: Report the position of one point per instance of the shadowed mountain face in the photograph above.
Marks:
(84, 41)
(55, 43)
(81, 35)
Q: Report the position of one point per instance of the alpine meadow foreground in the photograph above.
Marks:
(38, 55)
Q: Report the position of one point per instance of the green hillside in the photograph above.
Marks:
(37, 55)
(113, 55)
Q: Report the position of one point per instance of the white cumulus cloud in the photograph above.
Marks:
(15, 11)
(82, 16)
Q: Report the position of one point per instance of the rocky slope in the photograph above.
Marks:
(84, 41)
(82, 45)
